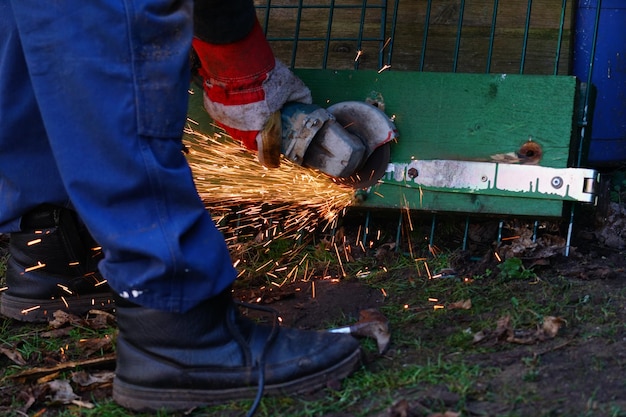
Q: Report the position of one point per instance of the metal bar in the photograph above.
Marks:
(492, 35)
(366, 229)
(570, 227)
(466, 233)
(584, 122)
(425, 38)
(300, 7)
(359, 45)
(320, 6)
(392, 35)
(535, 228)
(296, 35)
(328, 33)
(457, 45)
(560, 38)
(500, 226)
(320, 38)
(399, 232)
(383, 32)
(526, 32)
(267, 17)
(431, 240)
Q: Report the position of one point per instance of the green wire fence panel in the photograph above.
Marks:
(521, 36)
(328, 33)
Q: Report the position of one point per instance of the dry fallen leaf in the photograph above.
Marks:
(61, 318)
(551, 325)
(372, 323)
(84, 378)
(93, 345)
(480, 336)
(505, 331)
(13, 355)
(61, 392)
(399, 409)
(58, 332)
(99, 319)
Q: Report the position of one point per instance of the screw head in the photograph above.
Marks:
(557, 182)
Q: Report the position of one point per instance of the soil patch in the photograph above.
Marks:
(578, 372)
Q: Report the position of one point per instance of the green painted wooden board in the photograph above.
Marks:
(454, 116)
(461, 117)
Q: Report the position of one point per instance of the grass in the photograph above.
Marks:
(431, 347)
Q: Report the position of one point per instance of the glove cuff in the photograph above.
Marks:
(246, 59)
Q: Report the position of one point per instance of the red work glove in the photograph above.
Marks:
(244, 89)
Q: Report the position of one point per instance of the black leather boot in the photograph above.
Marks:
(212, 354)
(52, 266)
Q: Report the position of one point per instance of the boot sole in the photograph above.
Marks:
(41, 311)
(138, 398)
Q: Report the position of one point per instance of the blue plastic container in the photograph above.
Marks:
(607, 146)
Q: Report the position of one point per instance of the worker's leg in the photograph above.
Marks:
(28, 173)
(111, 80)
(53, 258)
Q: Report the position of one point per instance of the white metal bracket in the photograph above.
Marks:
(491, 178)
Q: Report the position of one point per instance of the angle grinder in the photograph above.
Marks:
(349, 141)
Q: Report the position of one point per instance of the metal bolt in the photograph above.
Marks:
(412, 173)
(557, 182)
(484, 178)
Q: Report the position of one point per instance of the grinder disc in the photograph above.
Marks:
(372, 169)
(372, 126)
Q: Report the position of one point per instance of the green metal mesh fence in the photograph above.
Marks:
(499, 36)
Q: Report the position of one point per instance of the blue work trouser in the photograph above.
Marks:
(93, 100)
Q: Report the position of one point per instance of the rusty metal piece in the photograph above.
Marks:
(373, 324)
(530, 152)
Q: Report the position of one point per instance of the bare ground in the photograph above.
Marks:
(577, 371)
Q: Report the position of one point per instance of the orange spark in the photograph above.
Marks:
(28, 310)
(38, 266)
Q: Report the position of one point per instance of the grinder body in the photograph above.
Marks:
(345, 141)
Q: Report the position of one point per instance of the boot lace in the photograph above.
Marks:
(260, 361)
